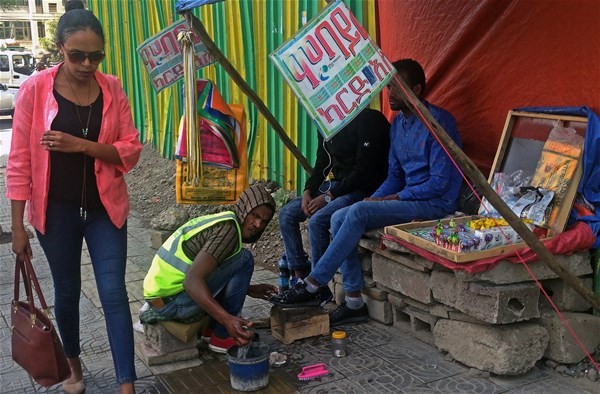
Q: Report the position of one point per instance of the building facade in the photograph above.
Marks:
(24, 23)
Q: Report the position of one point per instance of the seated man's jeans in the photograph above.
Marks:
(349, 224)
(290, 217)
(228, 284)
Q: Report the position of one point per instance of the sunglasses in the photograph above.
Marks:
(79, 57)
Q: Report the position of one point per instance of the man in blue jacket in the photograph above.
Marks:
(422, 183)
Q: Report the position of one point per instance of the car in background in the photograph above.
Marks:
(16, 66)
(8, 96)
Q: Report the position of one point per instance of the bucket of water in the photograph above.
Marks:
(249, 371)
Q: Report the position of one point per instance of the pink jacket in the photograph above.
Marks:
(28, 169)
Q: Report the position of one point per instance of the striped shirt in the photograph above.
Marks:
(219, 241)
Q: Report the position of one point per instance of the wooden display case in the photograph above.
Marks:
(520, 147)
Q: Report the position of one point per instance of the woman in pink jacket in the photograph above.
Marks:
(73, 140)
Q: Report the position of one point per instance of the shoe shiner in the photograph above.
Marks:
(204, 269)
(422, 183)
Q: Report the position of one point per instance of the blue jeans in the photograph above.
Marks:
(228, 284)
(107, 245)
(290, 217)
(349, 224)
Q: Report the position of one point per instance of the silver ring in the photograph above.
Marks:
(51, 144)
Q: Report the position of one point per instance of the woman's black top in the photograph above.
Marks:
(66, 169)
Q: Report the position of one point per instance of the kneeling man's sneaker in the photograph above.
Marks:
(219, 345)
(207, 333)
(296, 297)
(344, 315)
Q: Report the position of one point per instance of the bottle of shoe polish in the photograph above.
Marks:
(339, 343)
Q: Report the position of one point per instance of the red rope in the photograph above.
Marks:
(560, 315)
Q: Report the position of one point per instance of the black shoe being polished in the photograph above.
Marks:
(344, 315)
(296, 297)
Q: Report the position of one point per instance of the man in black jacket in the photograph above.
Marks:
(357, 157)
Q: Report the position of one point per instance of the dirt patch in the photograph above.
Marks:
(151, 186)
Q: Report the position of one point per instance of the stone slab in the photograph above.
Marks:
(379, 310)
(562, 347)
(564, 296)
(509, 349)
(152, 357)
(158, 237)
(158, 338)
(397, 277)
(497, 304)
(507, 272)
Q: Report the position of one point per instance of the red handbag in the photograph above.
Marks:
(35, 343)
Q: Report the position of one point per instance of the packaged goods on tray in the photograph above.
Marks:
(475, 235)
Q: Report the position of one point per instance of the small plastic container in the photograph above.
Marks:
(339, 344)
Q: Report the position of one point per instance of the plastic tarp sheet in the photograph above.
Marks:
(483, 58)
(186, 5)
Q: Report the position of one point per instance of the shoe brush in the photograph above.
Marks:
(314, 371)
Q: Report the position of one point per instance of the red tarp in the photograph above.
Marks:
(485, 57)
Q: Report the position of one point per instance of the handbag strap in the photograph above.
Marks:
(30, 281)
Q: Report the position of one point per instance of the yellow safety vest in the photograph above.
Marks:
(170, 264)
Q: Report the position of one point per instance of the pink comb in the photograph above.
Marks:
(312, 372)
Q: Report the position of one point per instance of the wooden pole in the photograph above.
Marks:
(216, 53)
(473, 173)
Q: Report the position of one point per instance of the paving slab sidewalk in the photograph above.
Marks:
(380, 358)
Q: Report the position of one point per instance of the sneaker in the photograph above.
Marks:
(325, 295)
(296, 297)
(219, 345)
(342, 315)
(206, 334)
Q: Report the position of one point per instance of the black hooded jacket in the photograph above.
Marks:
(359, 156)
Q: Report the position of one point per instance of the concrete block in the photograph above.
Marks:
(507, 272)
(185, 332)
(394, 251)
(456, 315)
(337, 278)
(370, 245)
(401, 320)
(396, 301)
(159, 339)
(375, 293)
(422, 324)
(498, 304)
(152, 357)
(562, 347)
(564, 297)
(338, 293)
(374, 234)
(365, 260)
(440, 310)
(407, 281)
(158, 237)
(414, 322)
(444, 287)
(305, 239)
(510, 349)
(396, 247)
(379, 310)
(369, 282)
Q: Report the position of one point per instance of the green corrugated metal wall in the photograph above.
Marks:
(246, 31)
